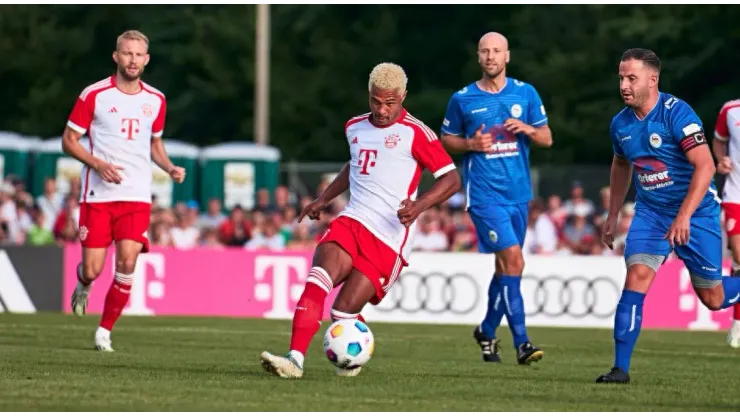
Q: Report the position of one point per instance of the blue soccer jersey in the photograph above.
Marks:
(656, 147)
(500, 176)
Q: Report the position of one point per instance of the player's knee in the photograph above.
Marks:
(639, 278)
(91, 271)
(511, 263)
(711, 298)
(125, 265)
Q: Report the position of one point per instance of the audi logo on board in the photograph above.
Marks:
(574, 296)
(460, 294)
(433, 293)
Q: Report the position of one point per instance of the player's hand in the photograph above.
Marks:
(678, 234)
(481, 142)
(610, 228)
(517, 126)
(109, 172)
(724, 166)
(408, 212)
(177, 174)
(313, 210)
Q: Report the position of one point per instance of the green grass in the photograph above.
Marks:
(47, 364)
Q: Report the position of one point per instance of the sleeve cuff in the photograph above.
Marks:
(720, 137)
(541, 122)
(158, 134)
(75, 127)
(444, 170)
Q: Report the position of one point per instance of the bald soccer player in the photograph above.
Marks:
(492, 122)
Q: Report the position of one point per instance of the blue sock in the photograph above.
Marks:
(731, 286)
(514, 308)
(495, 311)
(627, 323)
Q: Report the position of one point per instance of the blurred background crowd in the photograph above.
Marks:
(558, 224)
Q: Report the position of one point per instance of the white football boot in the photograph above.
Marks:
(102, 340)
(733, 337)
(285, 367)
(80, 296)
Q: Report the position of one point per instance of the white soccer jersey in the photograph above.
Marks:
(120, 127)
(385, 169)
(728, 129)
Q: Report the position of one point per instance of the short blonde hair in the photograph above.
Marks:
(388, 76)
(131, 35)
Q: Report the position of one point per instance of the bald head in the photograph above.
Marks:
(493, 54)
(493, 39)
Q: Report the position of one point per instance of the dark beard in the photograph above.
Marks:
(127, 77)
(494, 74)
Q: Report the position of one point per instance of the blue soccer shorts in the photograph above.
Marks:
(499, 227)
(702, 255)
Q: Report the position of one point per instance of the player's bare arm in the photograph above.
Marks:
(619, 184)
(71, 146)
(724, 163)
(701, 158)
(444, 187)
(480, 142)
(339, 185)
(161, 159)
(541, 136)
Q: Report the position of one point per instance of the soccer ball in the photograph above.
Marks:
(348, 344)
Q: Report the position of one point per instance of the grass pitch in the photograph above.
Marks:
(47, 363)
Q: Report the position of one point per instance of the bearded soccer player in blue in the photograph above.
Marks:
(677, 208)
(493, 121)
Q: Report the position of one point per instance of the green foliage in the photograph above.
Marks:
(203, 59)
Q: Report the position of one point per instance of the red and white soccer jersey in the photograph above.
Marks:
(120, 127)
(385, 169)
(728, 129)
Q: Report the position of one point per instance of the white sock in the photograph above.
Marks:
(298, 357)
(102, 331)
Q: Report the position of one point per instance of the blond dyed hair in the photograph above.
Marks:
(131, 35)
(388, 76)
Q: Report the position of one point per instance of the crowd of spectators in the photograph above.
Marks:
(556, 225)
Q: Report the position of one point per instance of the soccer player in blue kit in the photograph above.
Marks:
(493, 121)
(677, 208)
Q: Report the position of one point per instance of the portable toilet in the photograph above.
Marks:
(182, 154)
(15, 155)
(51, 162)
(233, 172)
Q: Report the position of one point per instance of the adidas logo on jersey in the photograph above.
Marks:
(113, 110)
(354, 141)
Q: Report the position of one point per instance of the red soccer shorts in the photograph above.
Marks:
(101, 223)
(370, 256)
(732, 218)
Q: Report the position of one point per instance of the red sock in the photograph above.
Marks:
(116, 300)
(338, 315)
(310, 309)
(736, 313)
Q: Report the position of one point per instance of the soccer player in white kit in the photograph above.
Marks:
(368, 244)
(726, 146)
(124, 119)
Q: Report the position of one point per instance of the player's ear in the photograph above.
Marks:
(403, 97)
(115, 57)
(653, 81)
(508, 56)
(146, 61)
